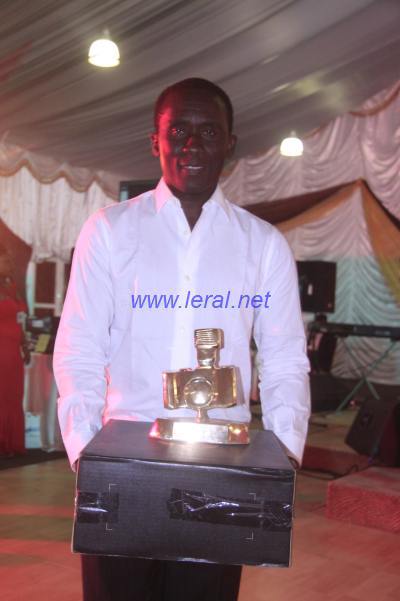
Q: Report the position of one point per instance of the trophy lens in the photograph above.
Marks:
(198, 392)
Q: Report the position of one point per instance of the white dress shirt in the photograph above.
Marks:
(109, 357)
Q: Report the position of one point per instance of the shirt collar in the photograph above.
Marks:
(162, 195)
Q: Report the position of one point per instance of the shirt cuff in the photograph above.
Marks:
(293, 446)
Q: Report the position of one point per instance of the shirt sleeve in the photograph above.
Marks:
(82, 345)
(281, 342)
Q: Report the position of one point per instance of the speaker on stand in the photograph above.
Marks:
(317, 285)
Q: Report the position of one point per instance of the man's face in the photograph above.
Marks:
(192, 142)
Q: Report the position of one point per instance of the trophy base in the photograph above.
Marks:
(212, 432)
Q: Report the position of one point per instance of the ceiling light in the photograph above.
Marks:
(291, 146)
(104, 52)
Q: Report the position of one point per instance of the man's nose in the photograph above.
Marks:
(193, 142)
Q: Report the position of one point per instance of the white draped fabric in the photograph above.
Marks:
(362, 295)
(47, 169)
(363, 145)
(48, 217)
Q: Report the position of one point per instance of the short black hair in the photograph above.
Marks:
(193, 83)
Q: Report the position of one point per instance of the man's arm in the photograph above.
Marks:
(280, 338)
(82, 345)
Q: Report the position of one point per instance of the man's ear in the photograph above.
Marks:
(231, 146)
(154, 144)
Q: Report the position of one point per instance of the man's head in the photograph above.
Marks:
(201, 85)
(193, 136)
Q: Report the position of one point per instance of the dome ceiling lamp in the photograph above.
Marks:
(291, 146)
(103, 52)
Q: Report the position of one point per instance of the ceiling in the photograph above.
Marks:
(287, 64)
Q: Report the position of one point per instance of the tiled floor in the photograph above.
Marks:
(35, 528)
(332, 561)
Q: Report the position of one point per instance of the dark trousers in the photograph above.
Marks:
(128, 579)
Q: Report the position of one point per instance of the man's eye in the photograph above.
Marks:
(178, 132)
(209, 132)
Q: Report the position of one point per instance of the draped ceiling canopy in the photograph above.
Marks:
(287, 64)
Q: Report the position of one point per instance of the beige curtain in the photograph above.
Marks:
(319, 211)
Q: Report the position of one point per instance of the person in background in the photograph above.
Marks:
(13, 353)
(109, 358)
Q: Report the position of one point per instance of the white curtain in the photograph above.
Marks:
(359, 145)
(47, 216)
(48, 170)
(362, 296)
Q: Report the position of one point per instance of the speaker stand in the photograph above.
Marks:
(365, 374)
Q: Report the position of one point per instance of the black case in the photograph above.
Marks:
(141, 497)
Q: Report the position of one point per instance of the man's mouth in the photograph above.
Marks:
(192, 168)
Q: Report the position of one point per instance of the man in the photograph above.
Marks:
(182, 238)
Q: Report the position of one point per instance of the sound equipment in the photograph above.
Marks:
(317, 284)
(376, 430)
(342, 330)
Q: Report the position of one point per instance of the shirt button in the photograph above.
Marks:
(187, 278)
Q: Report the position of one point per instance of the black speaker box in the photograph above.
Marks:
(317, 284)
(376, 430)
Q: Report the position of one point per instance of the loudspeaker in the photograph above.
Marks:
(317, 285)
(376, 430)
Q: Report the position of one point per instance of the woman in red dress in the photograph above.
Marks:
(12, 350)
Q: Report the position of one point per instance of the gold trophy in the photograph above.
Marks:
(208, 386)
